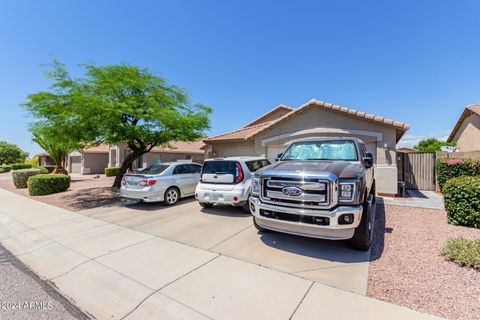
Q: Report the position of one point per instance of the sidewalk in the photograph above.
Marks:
(114, 272)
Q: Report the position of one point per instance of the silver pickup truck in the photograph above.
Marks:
(321, 188)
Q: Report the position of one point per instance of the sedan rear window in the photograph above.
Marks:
(219, 167)
(154, 169)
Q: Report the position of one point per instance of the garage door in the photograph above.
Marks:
(76, 164)
(273, 151)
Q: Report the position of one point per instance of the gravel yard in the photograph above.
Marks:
(407, 269)
(85, 192)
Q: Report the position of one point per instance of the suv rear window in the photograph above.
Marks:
(254, 165)
(220, 167)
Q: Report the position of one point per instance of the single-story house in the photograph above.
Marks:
(173, 151)
(44, 159)
(467, 129)
(94, 160)
(272, 133)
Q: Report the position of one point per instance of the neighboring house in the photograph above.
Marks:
(94, 160)
(271, 134)
(467, 130)
(44, 159)
(174, 151)
(406, 150)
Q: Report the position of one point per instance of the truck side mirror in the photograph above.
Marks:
(279, 156)
(368, 160)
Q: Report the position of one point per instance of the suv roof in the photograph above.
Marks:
(239, 158)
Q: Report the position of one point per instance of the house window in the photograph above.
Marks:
(157, 158)
(188, 157)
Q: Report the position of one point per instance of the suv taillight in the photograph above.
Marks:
(146, 183)
(238, 173)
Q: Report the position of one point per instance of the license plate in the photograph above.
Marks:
(214, 197)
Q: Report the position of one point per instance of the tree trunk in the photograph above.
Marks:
(123, 168)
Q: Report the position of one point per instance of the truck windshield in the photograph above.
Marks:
(322, 150)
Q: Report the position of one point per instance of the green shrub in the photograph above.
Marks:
(462, 201)
(43, 170)
(19, 166)
(112, 171)
(50, 168)
(5, 168)
(21, 176)
(462, 251)
(47, 184)
(452, 168)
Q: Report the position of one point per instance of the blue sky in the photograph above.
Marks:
(413, 61)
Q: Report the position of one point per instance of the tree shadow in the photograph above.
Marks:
(226, 211)
(93, 198)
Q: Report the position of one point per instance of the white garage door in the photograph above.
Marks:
(76, 164)
(273, 151)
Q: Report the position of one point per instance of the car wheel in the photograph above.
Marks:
(261, 229)
(246, 206)
(172, 195)
(362, 237)
(206, 204)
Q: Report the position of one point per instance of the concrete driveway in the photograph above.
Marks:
(230, 232)
(150, 262)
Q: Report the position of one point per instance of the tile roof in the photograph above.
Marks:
(281, 108)
(194, 147)
(101, 148)
(469, 110)
(246, 133)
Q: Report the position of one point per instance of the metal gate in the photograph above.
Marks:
(417, 170)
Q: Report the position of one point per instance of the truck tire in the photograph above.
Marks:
(206, 204)
(362, 237)
(261, 229)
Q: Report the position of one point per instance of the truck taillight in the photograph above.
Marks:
(147, 183)
(238, 173)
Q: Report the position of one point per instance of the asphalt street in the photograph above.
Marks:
(23, 295)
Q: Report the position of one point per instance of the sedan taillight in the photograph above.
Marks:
(147, 183)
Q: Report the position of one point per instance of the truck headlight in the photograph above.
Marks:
(256, 186)
(347, 192)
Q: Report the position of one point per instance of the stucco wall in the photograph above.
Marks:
(468, 136)
(153, 157)
(94, 163)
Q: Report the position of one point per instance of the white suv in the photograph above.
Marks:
(227, 181)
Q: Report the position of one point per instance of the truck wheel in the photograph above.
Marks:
(261, 229)
(362, 238)
(206, 204)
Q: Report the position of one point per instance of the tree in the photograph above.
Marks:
(53, 143)
(11, 153)
(432, 145)
(118, 104)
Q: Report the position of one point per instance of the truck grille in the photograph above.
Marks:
(296, 192)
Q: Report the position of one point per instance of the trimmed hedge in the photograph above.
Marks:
(452, 168)
(43, 170)
(47, 184)
(462, 251)
(19, 166)
(5, 169)
(462, 201)
(50, 168)
(112, 171)
(20, 177)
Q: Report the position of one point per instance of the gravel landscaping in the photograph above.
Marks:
(85, 192)
(407, 268)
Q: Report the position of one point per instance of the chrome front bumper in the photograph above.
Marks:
(333, 231)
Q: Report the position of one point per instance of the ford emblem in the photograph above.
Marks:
(292, 191)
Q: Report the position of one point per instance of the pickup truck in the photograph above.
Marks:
(321, 188)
